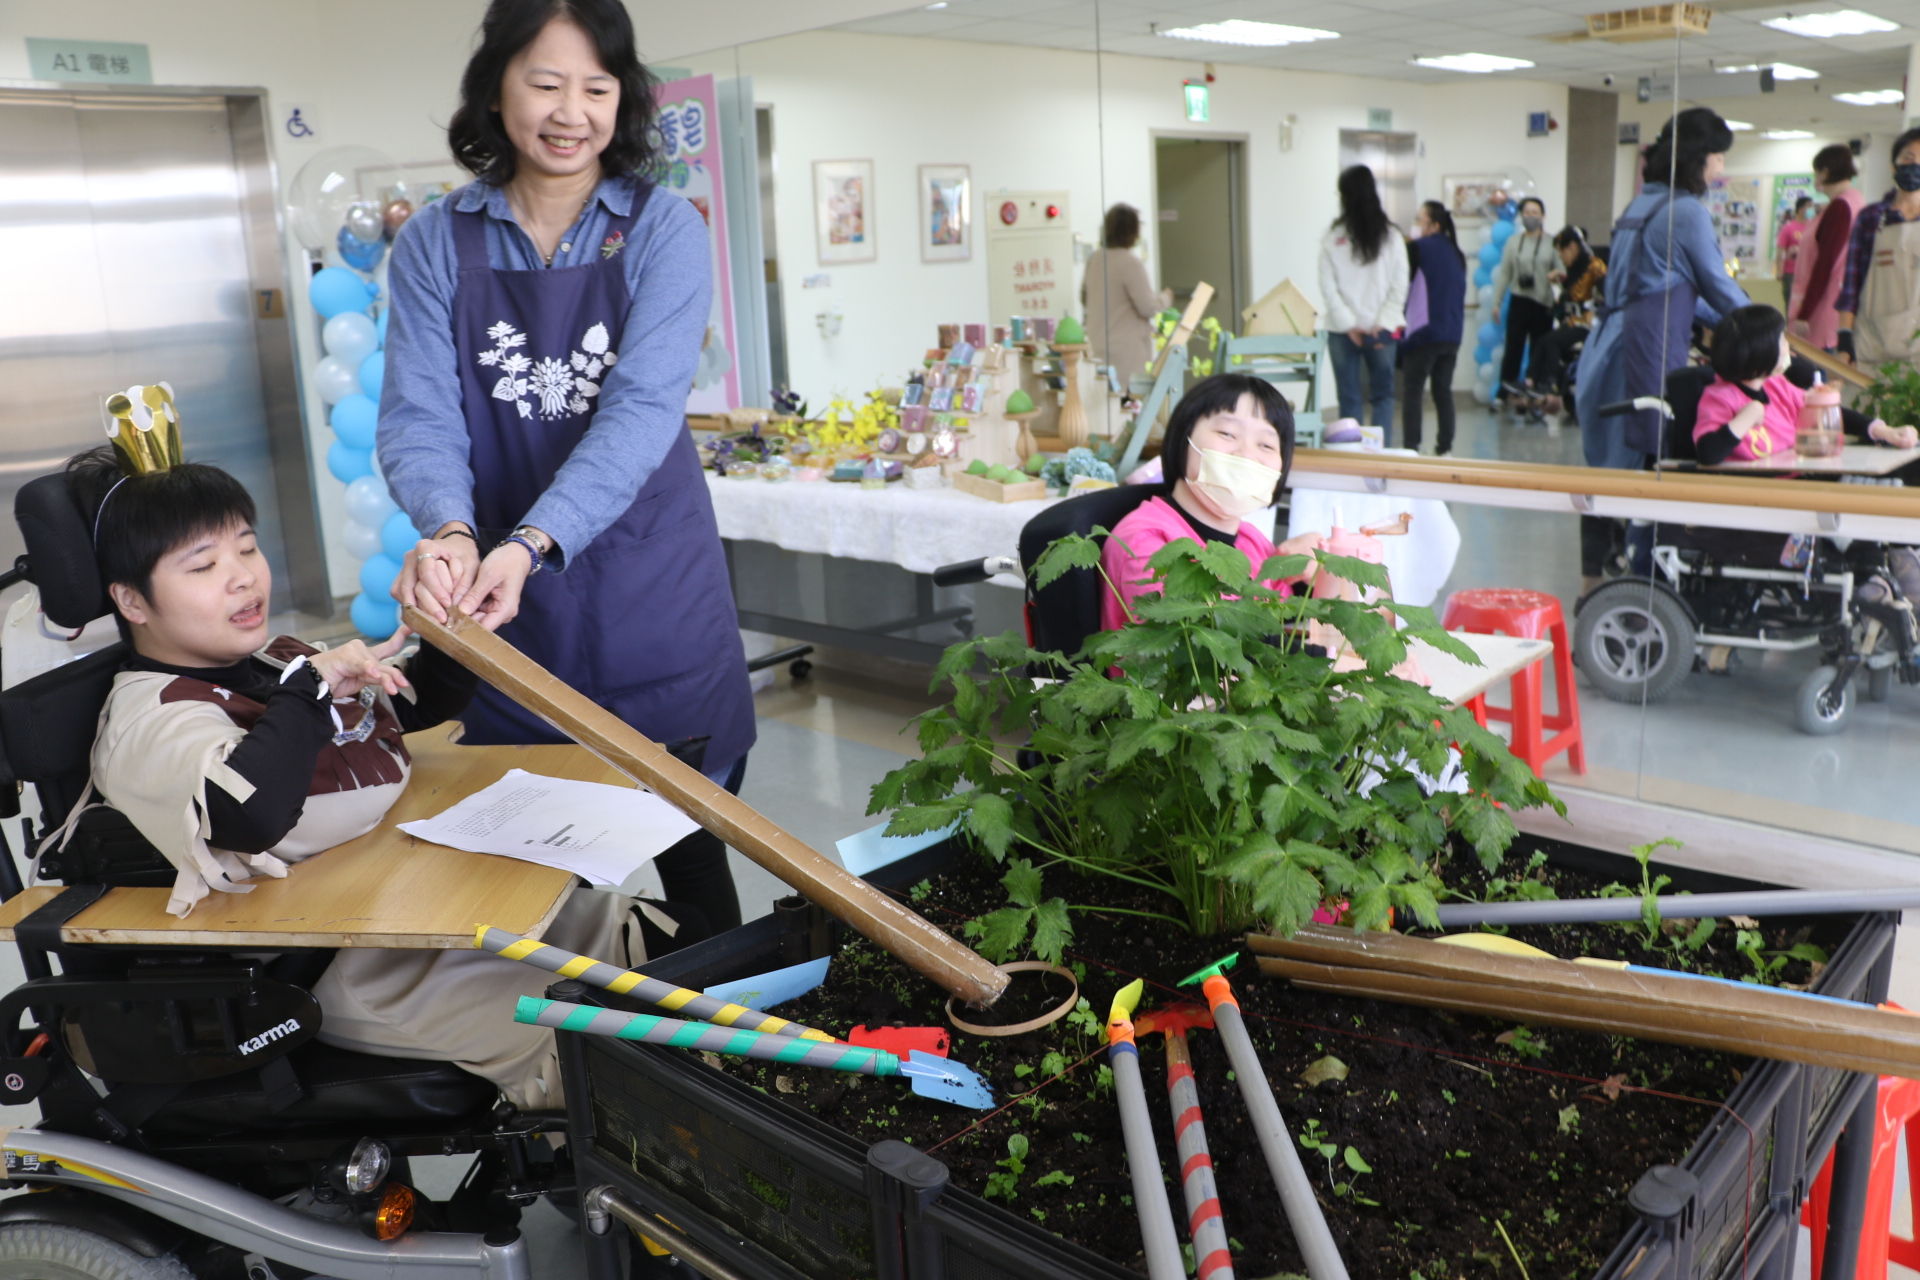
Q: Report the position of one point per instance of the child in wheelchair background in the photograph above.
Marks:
(236, 754)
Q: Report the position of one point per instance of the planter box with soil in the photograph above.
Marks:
(1483, 1143)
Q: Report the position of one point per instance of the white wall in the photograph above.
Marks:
(1028, 117)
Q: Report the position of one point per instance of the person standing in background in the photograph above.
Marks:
(1427, 353)
(1524, 279)
(1363, 282)
(1786, 245)
(1822, 268)
(1879, 304)
(1119, 297)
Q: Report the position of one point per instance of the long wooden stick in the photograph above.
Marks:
(1189, 321)
(1679, 1009)
(956, 968)
(1831, 365)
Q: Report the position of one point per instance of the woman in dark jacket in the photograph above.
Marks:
(1439, 289)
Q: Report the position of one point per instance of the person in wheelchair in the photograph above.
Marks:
(1228, 447)
(1581, 278)
(1751, 410)
(236, 753)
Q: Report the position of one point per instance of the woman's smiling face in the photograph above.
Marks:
(557, 103)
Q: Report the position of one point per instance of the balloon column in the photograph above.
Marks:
(1490, 342)
(330, 212)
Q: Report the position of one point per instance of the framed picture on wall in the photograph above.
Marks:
(1466, 194)
(843, 210)
(946, 213)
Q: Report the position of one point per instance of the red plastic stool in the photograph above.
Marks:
(1530, 615)
(1899, 1112)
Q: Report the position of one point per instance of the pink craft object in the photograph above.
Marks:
(1358, 544)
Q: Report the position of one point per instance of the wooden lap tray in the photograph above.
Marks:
(385, 889)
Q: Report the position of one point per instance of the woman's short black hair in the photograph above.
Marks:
(1568, 236)
(1221, 394)
(1535, 200)
(480, 143)
(1802, 203)
(1746, 345)
(1902, 142)
(1681, 150)
(1121, 230)
(1835, 160)
(151, 514)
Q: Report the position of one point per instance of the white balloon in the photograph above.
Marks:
(1489, 372)
(368, 503)
(350, 337)
(1486, 296)
(362, 542)
(1482, 394)
(335, 379)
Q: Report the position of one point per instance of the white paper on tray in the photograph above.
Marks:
(600, 832)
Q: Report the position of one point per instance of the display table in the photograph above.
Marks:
(1853, 460)
(1501, 657)
(918, 530)
(385, 889)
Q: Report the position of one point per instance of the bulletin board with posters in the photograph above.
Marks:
(691, 167)
(1741, 218)
(1030, 264)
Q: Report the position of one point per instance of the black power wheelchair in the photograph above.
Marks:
(1711, 594)
(190, 1122)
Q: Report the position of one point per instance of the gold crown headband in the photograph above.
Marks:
(145, 428)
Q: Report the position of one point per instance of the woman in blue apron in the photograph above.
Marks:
(1664, 271)
(546, 321)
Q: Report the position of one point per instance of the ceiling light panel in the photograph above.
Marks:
(1786, 135)
(1473, 63)
(1740, 126)
(1825, 26)
(1871, 97)
(1781, 70)
(1239, 31)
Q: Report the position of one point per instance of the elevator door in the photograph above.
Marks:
(1392, 159)
(131, 233)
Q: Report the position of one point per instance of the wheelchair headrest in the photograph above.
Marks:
(60, 552)
(1068, 611)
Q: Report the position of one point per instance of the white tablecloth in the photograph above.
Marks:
(1419, 563)
(917, 529)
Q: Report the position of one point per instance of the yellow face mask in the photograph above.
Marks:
(1237, 486)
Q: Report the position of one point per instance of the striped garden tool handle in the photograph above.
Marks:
(1212, 1255)
(598, 973)
(649, 1029)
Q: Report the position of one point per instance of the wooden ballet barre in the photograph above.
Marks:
(956, 968)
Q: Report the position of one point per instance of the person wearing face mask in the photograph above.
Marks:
(1228, 447)
(1879, 304)
(546, 325)
(1823, 250)
(1436, 314)
(1523, 278)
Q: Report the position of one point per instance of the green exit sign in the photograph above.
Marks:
(1198, 104)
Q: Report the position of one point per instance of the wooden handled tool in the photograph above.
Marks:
(1673, 1008)
(956, 968)
(1831, 365)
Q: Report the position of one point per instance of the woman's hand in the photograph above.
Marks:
(1358, 336)
(1304, 544)
(1893, 437)
(437, 573)
(494, 596)
(353, 666)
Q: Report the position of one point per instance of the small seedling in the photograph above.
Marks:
(1006, 1183)
(921, 891)
(1054, 1178)
(1569, 1116)
(1523, 1041)
(1447, 1094)
(1313, 1138)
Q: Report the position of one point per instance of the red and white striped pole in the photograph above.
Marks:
(1212, 1260)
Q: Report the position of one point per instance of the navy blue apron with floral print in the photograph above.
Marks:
(642, 620)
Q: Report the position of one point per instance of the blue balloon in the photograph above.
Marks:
(1502, 232)
(361, 255)
(373, 373)
(1509, 210)
(380, 324)
(1482, 276)
(1489, 255)
(398, 535)
(1481, 355)
(377, 575)
(377, 616)
(355, 420)
(1489, 334)
(348, 463)
(337, 289)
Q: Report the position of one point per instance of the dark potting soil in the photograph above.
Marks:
(1484, 1141)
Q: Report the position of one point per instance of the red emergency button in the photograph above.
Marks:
(1053, 211)
(1009, 213)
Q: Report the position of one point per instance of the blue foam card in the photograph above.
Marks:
(865, 852)
(764, 990)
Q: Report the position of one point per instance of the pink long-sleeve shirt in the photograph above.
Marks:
(1143, 531)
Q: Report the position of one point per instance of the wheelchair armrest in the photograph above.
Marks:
(63, 991)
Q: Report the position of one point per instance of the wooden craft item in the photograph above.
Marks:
(1073, 427)
(1831, 365)
(1189, 321)
(957, 969)
(1764, 1021)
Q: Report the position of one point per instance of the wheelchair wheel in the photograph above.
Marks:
(51, 1251)
(1633, 641)
(1817, 710)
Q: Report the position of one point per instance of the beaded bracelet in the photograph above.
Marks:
(539, 560)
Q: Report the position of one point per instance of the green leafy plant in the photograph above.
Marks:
(1767, 964)
(1005, 1183)
(1242, 778)
(1313, 1138)
(1894, 396)
(1523, 1041)
(1526, 885)
(1655, 932)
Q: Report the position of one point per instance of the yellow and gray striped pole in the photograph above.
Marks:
(611, 977)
